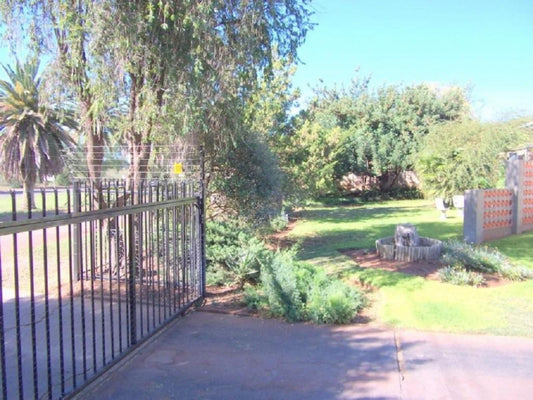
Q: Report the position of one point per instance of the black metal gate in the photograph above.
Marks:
(92, 273)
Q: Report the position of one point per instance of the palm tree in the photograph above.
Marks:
(32, 134)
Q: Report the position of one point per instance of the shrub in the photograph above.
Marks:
(482, 259)
(333, 302)
(474, 258)
(282, 292)
(298, 292)
(279, 223)
(253, 299)
(234, 255)
(515, 273)
(457, 275)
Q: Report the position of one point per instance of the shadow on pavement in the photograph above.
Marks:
(215, 356)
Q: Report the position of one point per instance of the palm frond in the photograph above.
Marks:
(32, 134)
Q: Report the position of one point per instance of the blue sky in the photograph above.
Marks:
(484, 45)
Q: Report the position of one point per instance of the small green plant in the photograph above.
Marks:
(474, 258)
(279, 223)
(482, 259)
(333, 302)
(253, 298)
(516, 273)
(458, 275)
(281, 288)
(234, 255)
(301, 292)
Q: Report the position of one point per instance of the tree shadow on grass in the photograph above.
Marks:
(378, 278)
(365, 237)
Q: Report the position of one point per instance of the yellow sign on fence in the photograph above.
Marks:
(178, 168)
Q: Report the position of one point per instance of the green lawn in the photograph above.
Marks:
(6, 204)
(412, 302)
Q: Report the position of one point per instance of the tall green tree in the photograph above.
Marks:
(378, 133)
(457, 156)
(388, 126)
(167, 66)
(32, 134)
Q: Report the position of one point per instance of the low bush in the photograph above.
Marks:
(516, 273)
(234, 254)
(300, 292)
(482, 259)
(457, 275)
(473, 258)
(333, 302)
(279, 223)
(371, 196)
(280, 286)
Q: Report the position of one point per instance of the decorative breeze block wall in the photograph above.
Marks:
(496, 213)
(497, 209)
(527, 197)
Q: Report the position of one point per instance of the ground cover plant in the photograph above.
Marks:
(458, 275)
(411, 301)
(276, 283)
(300, 292)
(459, 256)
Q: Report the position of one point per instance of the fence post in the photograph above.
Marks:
(77, 246)
(473, 216)
(514, 180)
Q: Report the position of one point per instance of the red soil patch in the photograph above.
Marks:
(225, 300)
(424, 268)
(281, 240)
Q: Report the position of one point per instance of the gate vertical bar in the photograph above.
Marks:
(46, 301)
(201, 207)
(17, 300)
(131, 279)
(2, 336)
(71, 293)
(76, 200)
(59, 298)
(32, 304)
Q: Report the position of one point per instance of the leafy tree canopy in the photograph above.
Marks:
(457, 156)
(161, 67)
(370, 132)
(169, 72)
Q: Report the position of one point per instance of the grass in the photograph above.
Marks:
(329, 228)
(517, 248)
(413, 302)
(6, 204)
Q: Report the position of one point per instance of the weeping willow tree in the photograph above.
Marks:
(155, 70)
(32, 134)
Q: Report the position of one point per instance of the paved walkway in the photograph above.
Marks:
(215, 356)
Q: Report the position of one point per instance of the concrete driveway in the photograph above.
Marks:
(216, 356)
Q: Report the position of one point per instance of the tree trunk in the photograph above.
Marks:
(140, 156)
(95, 154)
(28, 196)
(95, 146)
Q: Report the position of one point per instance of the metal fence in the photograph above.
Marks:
(91, 273)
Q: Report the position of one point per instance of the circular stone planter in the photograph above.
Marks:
(428, 249)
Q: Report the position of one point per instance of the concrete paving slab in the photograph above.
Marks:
(446, 366)
(216, 356)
